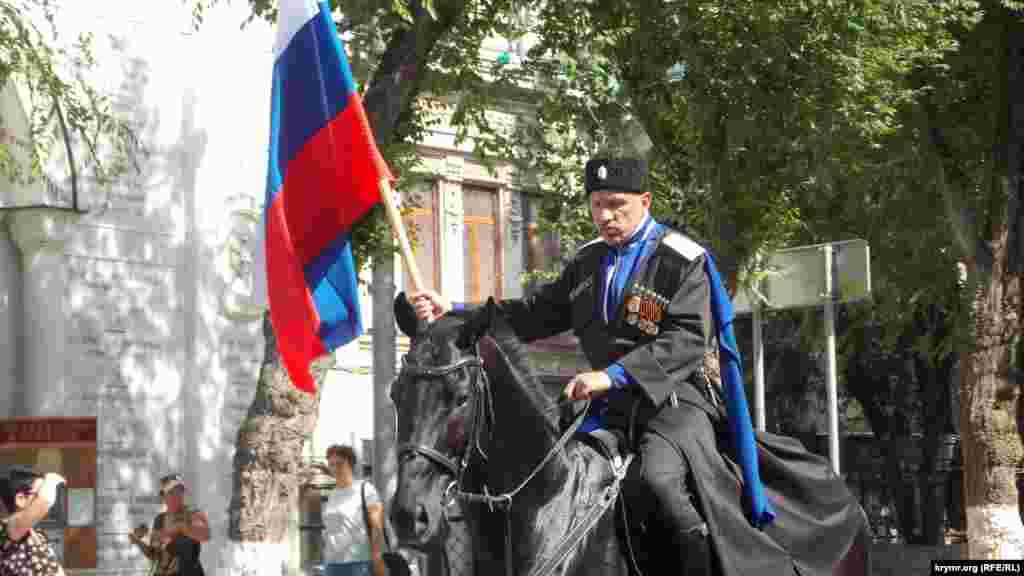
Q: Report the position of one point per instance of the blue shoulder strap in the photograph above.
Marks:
(740, 427)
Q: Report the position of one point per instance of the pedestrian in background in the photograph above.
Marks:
(352, 540)
(175, 541)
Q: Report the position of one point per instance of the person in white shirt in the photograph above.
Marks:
(349, 548)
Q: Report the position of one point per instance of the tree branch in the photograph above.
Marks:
(399, 76)
(71, 156)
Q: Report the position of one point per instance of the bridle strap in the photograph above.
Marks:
(437, 371)
(429, 453)
(506, 497)
(504, 500)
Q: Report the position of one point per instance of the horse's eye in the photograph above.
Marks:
(461, 399)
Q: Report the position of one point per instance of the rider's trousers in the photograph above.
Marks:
(665, 475)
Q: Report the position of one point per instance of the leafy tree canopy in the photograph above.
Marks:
(65, 111)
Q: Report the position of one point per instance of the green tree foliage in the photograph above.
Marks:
(769, 124)
(65, 110)
(766, 123)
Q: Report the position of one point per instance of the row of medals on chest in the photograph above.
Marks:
(644, 309)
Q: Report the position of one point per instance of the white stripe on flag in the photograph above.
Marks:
(292, 15)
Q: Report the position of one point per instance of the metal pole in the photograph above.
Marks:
(830, 360)
(759, 406)
(384, 358)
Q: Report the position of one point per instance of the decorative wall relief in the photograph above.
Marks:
(237, 266)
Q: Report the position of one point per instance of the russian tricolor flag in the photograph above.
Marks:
(324, 174)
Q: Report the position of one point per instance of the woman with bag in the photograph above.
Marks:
(352, 530)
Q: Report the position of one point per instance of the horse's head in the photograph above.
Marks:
(441, 401)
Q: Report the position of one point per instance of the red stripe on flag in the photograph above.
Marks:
(292, 312)
(332, 182)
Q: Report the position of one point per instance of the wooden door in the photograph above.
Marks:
(482, 246)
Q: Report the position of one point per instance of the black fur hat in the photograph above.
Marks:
(619, 174)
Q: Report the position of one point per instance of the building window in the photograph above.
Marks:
(542, 249)
(421, 220)
(482, 245)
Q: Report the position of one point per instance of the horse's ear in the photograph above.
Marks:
(405, 316)
(497, 323)
(493, 316)
(478, 322)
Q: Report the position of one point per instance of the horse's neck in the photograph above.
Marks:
(539, 521)
(524, 436)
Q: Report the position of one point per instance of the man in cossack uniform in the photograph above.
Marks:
(648, 307)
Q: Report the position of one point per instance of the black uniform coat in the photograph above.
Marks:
(817, 516)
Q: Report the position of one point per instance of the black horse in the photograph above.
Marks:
(476, 429)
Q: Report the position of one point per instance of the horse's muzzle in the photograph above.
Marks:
(412, 524)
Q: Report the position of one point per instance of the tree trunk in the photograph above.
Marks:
(990, 442)
(268, 467)
(989, 399)
(934, 376)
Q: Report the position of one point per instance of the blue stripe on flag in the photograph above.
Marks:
(333, 283)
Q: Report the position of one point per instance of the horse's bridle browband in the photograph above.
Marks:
(435, 371)
(483, 411)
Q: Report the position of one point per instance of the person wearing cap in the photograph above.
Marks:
(175, 541)
(27, 496)
(649, 309)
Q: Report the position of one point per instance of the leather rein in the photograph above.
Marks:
(483, 417)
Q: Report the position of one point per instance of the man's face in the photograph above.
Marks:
(174, 498)
(617, 214)
(23, 498)
(338, 465)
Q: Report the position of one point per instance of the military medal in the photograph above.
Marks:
(645, 309)
(659, 308)
(633, 304)
(650, 309)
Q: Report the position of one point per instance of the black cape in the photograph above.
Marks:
(820, 528)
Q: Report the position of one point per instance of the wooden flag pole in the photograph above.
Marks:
(387, 197)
